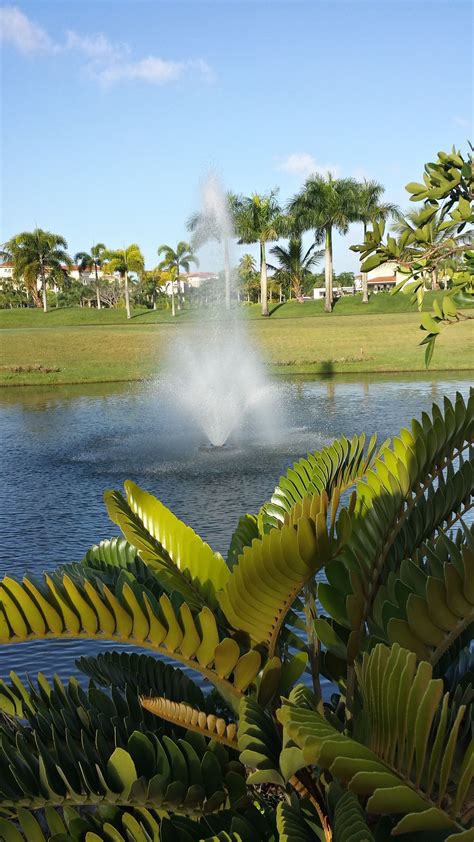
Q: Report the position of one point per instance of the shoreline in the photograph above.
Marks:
(279, 371)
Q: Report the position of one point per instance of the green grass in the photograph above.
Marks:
(87, 346)
(349, 305)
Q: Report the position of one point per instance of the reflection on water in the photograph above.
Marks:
(62, 446)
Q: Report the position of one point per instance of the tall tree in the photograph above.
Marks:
(37, 254)
(294, 264)
(92, 261)
(173, 261)
(369, 210)
(325, 203)
(124, 261)
(151, 284)
(247, 272)
(258, 219)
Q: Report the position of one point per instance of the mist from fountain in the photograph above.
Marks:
(214, 222)
(214, 374)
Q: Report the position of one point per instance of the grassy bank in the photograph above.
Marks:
(86, 346)
(350, 305)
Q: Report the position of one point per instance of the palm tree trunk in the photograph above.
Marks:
(43, 289)
(179, 287)
(97, 287)
(173, 309)
(263, 280)
(127, 297)
(328, 269)
(365, 289)
(434, 280)
(227, 273)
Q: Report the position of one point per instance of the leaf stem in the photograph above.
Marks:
(313, 644)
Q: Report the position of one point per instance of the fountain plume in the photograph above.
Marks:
(215, 376)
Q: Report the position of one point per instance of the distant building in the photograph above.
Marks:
(320, 292)
(88, 277)
(6, 271)
(84, 275)
(381, 279)
(189, 280)
(196, 279)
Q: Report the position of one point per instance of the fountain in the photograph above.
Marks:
(214, 222)
(220, 380)
(214, 375)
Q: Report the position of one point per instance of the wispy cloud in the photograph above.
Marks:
(95, 46)
(104, 61)
(19, 31)
(152, 69)
(303, 164)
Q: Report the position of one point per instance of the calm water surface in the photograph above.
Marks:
(61, 447)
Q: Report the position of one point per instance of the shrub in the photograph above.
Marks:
(358, 571)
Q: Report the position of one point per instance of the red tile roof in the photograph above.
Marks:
(382, 279)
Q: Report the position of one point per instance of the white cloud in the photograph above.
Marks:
(94, 46)
(303, 164)
(16, 29)
(106, 62)
(154, 70)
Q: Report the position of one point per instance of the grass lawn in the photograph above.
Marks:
(86, 345)
(350, 305)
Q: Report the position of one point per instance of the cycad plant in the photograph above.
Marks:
(359, 571)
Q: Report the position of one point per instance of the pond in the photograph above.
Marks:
(63, 446)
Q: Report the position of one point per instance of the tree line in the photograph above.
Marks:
(324, 205)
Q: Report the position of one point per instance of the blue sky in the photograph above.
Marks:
(113, 111)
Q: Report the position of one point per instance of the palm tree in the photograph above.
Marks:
(258, 219)
(36, 254)
(324, 204)
(370, 210)
(93, 261)
(152, 283)
(295, 265)
(247, 272)
(173, 261)
(125, 260)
